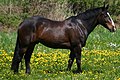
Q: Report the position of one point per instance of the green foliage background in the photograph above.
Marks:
(12, 12)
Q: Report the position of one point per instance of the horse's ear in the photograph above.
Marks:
(104, 5)
(103, 8)
(107, 6)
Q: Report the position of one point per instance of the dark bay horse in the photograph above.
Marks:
(70, 33)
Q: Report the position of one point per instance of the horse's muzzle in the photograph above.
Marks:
(113, 30)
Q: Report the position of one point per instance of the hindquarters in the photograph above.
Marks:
(23, 42)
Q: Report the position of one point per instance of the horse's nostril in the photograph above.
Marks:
(113, 30)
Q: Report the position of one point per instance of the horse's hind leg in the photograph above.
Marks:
(14, 60)
(18, 55)
(71, 59)
(28, 56)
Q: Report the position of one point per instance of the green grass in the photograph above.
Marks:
(96, 65)
(100, 59)
(7, 41)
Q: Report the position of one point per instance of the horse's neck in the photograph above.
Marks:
(90, 24)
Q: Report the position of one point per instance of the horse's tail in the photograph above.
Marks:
(16, 53)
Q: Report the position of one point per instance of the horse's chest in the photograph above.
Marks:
(78, 36)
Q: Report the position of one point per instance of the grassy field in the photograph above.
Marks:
(100, 59)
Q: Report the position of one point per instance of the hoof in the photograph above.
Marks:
(68, 69)
(77, 71)
(27, 71)
(15, 71)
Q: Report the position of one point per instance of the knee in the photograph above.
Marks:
(16, 58)
(70, 61)
(27, 58)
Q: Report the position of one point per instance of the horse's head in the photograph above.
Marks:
(106, 20)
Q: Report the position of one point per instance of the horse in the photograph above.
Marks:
(70, 34)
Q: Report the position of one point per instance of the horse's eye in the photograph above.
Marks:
(105, 16)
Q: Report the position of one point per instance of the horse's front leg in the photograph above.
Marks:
(78, 50)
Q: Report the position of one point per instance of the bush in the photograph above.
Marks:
(13, 11)
(10, 20)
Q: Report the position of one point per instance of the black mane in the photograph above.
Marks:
(89, 13)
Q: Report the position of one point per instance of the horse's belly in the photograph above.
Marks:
(54, 38)
(56, 45)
